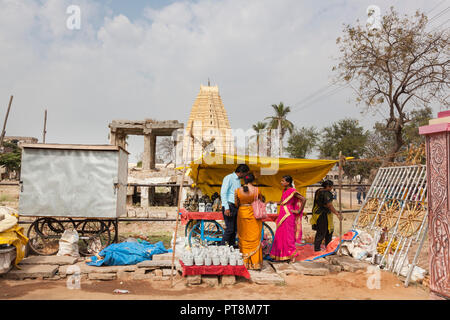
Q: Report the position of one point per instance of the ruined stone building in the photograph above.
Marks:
(208, 128)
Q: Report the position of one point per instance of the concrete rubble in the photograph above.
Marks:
(159, 269)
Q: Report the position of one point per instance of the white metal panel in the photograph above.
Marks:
(69, 183)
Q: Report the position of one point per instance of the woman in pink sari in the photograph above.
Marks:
(289, 223)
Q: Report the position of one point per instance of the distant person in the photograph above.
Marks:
(322, 215)
(248, 227)
(230, 184)
(289, 223)
(360, 192)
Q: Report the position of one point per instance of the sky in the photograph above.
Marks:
(147, 59)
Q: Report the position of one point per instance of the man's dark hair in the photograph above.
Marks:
(242, 168)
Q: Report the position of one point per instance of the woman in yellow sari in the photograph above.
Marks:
(248, 228)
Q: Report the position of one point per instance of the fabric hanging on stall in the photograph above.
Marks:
(209, 171)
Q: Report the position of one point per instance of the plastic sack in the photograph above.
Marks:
(180, 245)
(359, 253)
(68, 244)
(418, 274)
(9, 218)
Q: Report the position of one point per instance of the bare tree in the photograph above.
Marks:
(399, 66)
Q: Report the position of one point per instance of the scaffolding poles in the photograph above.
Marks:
(401, 193)
(388, 194)
(413, 264)
(394, 231)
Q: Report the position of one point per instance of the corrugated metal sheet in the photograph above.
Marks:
(73, 182)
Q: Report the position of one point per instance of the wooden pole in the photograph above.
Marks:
(45, 126)
(351, 183)
(176, 225)
(340, 200)
(4, 123)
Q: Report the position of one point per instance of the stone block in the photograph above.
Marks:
(155, 264)
(49, 260)
(228, 280)
(210, 280)
(160, 278)
(311, 268)
(334, 268)
(158, 215)
(158, 272)
(284, 268)
(137, 276)
(124, 275)
(163, 256)
(259, 277)
(82, 267)
(197, 279)
(349, 264)
(102, 276)
(32, 271)
(168, 272)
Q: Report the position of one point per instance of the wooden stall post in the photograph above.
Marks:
(340, 201)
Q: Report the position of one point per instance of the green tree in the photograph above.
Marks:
(279, 121)
(11, 159)
(381, 140)
(395, 68)
(302, 141)
(348, 136)
(258, 127)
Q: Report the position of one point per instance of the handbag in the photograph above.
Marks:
(259, 207)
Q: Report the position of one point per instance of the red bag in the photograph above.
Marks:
(259, 207)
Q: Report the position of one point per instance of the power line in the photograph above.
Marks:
(439, 14)
(435, 6)
(320, 97)
(315, 93)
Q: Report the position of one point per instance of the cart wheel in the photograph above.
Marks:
(212, 232)
(44, 235)
(94, 236)
(112, 227)
(266, 239)
(188, 228)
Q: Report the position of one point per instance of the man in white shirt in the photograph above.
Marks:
(229, 185)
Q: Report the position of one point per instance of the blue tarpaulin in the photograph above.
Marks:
(127, 253)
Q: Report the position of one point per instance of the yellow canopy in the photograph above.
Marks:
(209, 171)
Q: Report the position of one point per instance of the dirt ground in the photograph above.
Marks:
(341, 286)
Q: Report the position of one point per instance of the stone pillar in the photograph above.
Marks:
(177, 137)
(148, 159)
(152, 151)
(147, 152)
(112, 137)
(144, 197)
(437, 135)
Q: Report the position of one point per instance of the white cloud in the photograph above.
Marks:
(259, 52)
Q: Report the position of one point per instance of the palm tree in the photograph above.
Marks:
(258, 127)
(279, 121)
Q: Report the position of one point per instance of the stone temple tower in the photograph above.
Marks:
(208, 128)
